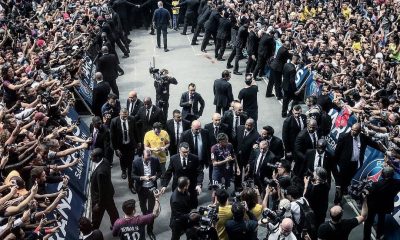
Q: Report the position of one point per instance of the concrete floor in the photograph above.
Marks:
(187, 64)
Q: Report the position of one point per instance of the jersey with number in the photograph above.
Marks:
(132, 228)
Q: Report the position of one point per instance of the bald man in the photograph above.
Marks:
(198, 140)
(100, 93)
(285, 231)
(234, 118)
(133, 104)
(338, 228)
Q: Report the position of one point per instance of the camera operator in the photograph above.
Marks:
(380, 202)
(238, 228)
(203, 224)
(161, 84)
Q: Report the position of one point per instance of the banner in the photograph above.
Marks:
(72, 207)
(86, 87)
(301, 76)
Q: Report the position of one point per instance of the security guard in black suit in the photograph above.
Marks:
(240, 43)
(276, 70)
(201, 19)
(211, 27)
(108, 65)
(266, 49)
(252, 44)
(100, 94)
(190, 15)
(161, 19)
(223, 34)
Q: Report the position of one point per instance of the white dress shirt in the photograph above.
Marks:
(131, 105)
(180, 129)
(127, 129)
(199, 145)
(355, 157)
(317, 159)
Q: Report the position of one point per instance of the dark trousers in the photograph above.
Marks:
(287, 96)
(146, 202)
(238, 178)
(162, 28)
(207, 36)
(98, 213)
(177, 231)
(163, 104)
(121, 46)
(190, 19)
(236, 52)
(128, 154)
(221, 110)
(125, 25)
(370, 222)
(251, 64)
(113, 85)
(197, 32)
(275, 79)
(260, 66)
(220, 46)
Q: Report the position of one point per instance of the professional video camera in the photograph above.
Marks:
(269, 216)
(356, 191)
(209, 216)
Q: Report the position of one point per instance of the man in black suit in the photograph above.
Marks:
(161, 19)
(234, 118)
(381, 202)
(305, 140)
(223, 34)
(148, 8)
(101, 138)
(240, 43)
(247, 136)
(124, 139)
(275, 144)
(289, 84)
(123, 8)
(100, 92)
(204, 14)
(133, 104)
(252, 44)
(108, 65)
(291, 128)
(223, 95)
(198, 140)
(258, 168)
(211, 27)
(101, 190)
(265, 50)
(175, 127)
(319, 157)
(189, 102)
(145, 172)
(349, 154)
(147, 115)
(187, 165)
(190, 15)
(276, 70)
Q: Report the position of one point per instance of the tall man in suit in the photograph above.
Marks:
(185, 164)
(204, 14)
(101, 138)
(100, 93)
(289, 84)
(198, 140)
(291, 128)
(247, 136)
(275, 144)
(305, 140)
(240, 43)
(108, 65)
(161, 19)
(190, 15)
(223, 95)
(190, 101)
(258, 168)
(145, 172)
(124, 139)
(223, 34)
(133, 104)
(265, 50)
(234, 118)
(175, 127)
(147, 116)
(276, 71)
(101, 190)
(211, 27)
(252, 44)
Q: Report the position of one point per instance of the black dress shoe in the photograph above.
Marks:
(269, 95)
(204, 51)
(151, 236)
(123, 175)
(129, 40)
(229, 66)
(284, 115)
(183, 34)
(158, 47)
(259, 79)
(166, 50)
(200, 35)
(237, 73)
(221, 59)
(152, 33)
(125, 56)
(133, 191)
(194, 43)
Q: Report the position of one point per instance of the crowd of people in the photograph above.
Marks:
(353, 49)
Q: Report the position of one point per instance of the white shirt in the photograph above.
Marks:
(180, 129)
(295, 209)
(131, 106)
(182, 159)
(127, 130)
(299, 122)
(277, 235)
(95, 165)
(259, 159)
(149, 113)
(234, 122)
(312, 139)
(147, 172)
(355, 157)
(199, 145)
(317, 159)
(86, 236)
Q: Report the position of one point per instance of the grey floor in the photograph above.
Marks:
(187, 64)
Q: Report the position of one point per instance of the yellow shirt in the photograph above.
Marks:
(257, 211)
(356, 46)
(346, 13)
(307, 13)
(153, 140)
(224, 214)
(175, 9)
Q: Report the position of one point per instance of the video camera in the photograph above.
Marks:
(269, 216)
(209, 216)
(356, 191)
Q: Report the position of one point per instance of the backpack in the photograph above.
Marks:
(307, 219)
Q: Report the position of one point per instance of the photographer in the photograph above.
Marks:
(238, 228)
(202, 227)
(161, 84)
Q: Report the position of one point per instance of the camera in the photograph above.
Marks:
(153, 70)
(249, 183)
(269, 216)
(209, 216)
(356, 191)
(46, 98)
(272, 183)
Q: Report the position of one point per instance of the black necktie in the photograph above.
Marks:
(148, 115)
(320, 161)
(260, 163)
(125, 131)
(196, 145)
(177, 132)
(245, 134)
(216, 131)
(184, 163)
(236, 125)
(314, 140)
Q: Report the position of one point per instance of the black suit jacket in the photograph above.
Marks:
(289, 78)
(117, 134)
(212, 23)
(265, 171)
(224, 28)
(191, 6)
(96, 235)
(245, 144)
(138, 171)
(266, 46)
(276, 146)
(145, 124)
(193, 170)
(241, 37)
(329, 164)
(204, 15)
(302, 144)
(100, 95)
(170, 128)
(252, 44)
(222, 93)
(101, 188)
(280, 59)
(227, 119)
(136, 107)
(186, 106)
(382, 194)
(122, 7)
(187, 136)
(102, 139)
(108, 65)
(223, 128)
(290, 130)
